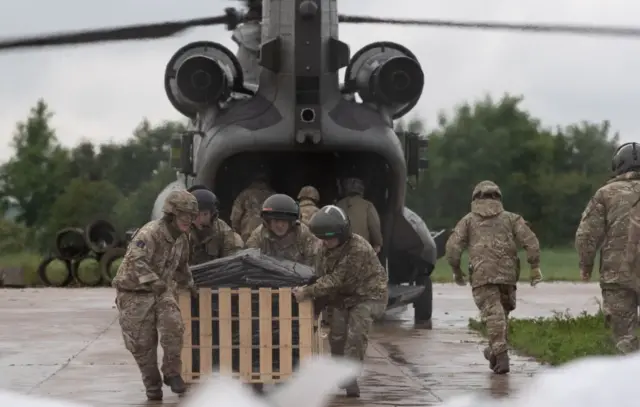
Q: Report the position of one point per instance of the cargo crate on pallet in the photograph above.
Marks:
(258, 336)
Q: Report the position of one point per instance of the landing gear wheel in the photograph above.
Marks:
(423, 305)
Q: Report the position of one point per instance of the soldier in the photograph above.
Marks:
(211, 238)
(605, 226)
(281, 234)
(354, 282)
(245, 214)
(145, 285)
(362, 213)
(492, 236)
(309, 198)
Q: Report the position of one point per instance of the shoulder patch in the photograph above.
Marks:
(140, 244)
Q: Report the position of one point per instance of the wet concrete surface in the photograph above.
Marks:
(66, 343)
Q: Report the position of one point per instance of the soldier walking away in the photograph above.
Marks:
(211, 238)
(309, 198)
(605, 227)
(145, 293)
(352, 280)
(492, 236)
(362, 214)
(281, 234)
(245, 214)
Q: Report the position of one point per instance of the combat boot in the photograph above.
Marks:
(353, 390)
(490, 357)
(502, 363)
(176, 383)
(154, 395)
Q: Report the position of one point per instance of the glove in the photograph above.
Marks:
(458, 277)
(535, 276)
(194, 291)
(159, 287)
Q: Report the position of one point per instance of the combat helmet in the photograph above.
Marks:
(486, 189)
(626, 158)
(280, 206)
(330, 222)
(207, 200)
(353, 186)
(179, 203)
(309, 192)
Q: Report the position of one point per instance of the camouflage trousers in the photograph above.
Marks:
(141, 317)
(621, 314)
(349, 328)
(495, 302)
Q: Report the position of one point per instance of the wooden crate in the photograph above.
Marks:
(231, 331)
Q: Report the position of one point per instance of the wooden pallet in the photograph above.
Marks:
(233, 332)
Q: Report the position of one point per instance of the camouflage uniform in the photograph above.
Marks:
(605, 226)
(356, 284)
(213, 242)
(298, 245)
(308, 198)
(155, 261)
(492, 236)
(245, 214)
(363, 215)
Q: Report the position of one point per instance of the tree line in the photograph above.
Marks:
(546, 174)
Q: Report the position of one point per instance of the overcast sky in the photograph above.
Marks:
(101, 92)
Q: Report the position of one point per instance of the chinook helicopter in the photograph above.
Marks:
(279, 105)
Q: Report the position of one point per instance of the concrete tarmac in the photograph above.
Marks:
(66, 343)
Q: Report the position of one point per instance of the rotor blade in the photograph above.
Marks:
(533, 27)
(134, 32)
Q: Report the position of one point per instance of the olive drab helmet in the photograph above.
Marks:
(626, 158)
(329, 222)
(180, 202)
(353, 186)
(207, 200)
(280, 206)
(310, 193)
(487, 190)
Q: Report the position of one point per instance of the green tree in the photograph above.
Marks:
(135, 209)
(82, 202)
(38, 169)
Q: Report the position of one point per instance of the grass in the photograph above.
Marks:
(558, 339)
(556, 265)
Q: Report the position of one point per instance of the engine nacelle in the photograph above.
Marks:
(200, 75)
(386, 74)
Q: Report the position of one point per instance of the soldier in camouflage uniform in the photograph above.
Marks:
(309, 198)
(245, 213)
(156, 259)
(492, 236)
(605, 226)
(211, 238)
(363, 215)
(281, 234)
(354, 282)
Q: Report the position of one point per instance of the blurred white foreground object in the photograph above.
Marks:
(590, 382)
(315, 383)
